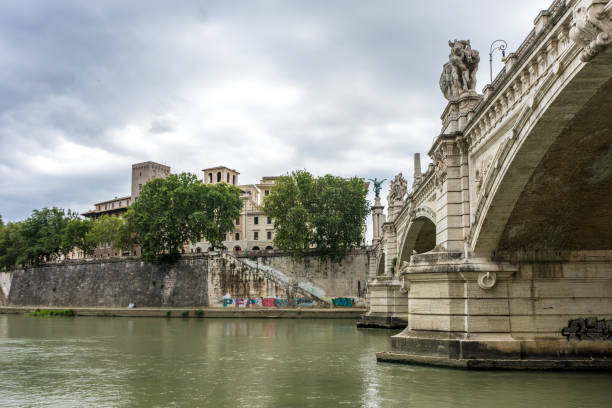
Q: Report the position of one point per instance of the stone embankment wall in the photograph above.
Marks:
(346, 278)
(193, 281)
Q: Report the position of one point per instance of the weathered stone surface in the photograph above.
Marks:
(519, 195)
(346, 278)
(193, 281)
(112, 284)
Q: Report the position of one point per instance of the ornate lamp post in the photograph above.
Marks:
(496, 45)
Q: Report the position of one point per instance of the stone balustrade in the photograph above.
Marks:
(524, 71)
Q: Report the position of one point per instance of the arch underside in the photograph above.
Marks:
(567, 202)
(420, 238)
(557, 192)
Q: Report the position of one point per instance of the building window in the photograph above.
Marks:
(233, 179)
(139, 187)
(227, 178)
(269, 220)
(255, 235)
(237, 235)
(210, 177)
(256, 220)
(269, 235)
(218, 176)
(266, 192)
(238, 221)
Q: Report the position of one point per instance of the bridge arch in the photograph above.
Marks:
(550, 186)
(420, 235)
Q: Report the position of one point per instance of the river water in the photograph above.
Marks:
(156, 362)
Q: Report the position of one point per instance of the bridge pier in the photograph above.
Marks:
(479, 313)
(505, 242)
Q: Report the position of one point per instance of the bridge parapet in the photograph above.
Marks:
(547, 49)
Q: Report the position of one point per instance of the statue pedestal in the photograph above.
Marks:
(458, 112)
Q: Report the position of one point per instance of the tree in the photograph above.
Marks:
(111, 230)
(222, 205)
(12, 244)
(77, 234)
(327, 213)
(42, 234)
(179, 208)
(290, 204)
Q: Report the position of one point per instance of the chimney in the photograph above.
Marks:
(417, 170)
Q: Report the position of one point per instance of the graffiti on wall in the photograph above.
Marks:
(342, 302)
(227, 301)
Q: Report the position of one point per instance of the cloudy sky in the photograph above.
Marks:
(265, 87)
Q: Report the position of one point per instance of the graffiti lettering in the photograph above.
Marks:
(343, 302)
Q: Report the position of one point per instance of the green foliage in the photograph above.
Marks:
(50, 312)
(78, 234)
(168, 313)
(291, 203)
(185, 313)
(171, 211)
(42, 235)
(12, 244)
(198, 312)
(112, 230)
(326, 213)
(215, 218)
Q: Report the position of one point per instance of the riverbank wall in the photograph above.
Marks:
(344, 278)
(209, 280)
(210, 312)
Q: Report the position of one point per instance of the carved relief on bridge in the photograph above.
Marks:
(442, 156)
(591, 26)
(481, 173)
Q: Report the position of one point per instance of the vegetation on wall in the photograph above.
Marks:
(169, 213)
(326, 213)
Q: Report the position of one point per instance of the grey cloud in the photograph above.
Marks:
(89, 76)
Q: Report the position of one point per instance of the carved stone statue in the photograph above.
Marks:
(399, 187)
(377, 183)
(591, 26)
(459, 73)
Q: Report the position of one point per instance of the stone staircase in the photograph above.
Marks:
(306, 289)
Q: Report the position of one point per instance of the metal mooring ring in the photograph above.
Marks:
(487, 280)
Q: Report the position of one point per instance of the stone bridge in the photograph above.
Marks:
(507, 235)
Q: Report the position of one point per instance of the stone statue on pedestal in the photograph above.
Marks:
(399, 188)
(459, 73)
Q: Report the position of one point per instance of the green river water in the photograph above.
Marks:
(157, 362)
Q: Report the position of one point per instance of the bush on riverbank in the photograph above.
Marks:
(51, 312)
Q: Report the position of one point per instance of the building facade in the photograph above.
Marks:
(253, 230)
(141, 173)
